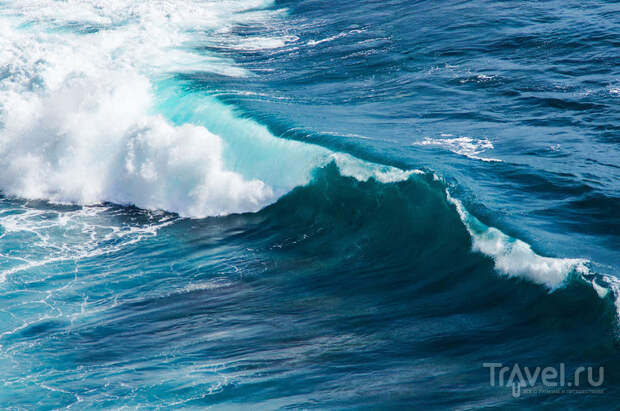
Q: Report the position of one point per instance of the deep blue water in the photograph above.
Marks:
(307, 204)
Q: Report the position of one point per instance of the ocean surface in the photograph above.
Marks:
(252, 204)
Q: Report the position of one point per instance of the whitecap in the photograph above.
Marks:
(465, 146)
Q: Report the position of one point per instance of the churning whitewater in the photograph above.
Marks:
(191, 213)
(90, 134)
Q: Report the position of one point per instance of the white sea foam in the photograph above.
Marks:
(78, 121)
(615, 286)
(63, 236)
(465, 146)
(313, 43)
(514, 257)
(363, 171)
(205, 285)
(76, 111)
(601, 291)
(604, 285)
(259, 43)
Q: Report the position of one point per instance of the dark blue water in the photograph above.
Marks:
(308, 204)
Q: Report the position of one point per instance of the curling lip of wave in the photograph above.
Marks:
(514, 257)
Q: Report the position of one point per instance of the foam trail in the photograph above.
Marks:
(83, 236)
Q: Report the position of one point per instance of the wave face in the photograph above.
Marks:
(265, 205)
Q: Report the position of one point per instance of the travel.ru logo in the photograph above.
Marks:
(547, 380)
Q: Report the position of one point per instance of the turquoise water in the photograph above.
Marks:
(276, 205)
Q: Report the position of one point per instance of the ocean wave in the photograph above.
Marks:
(88, 118)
